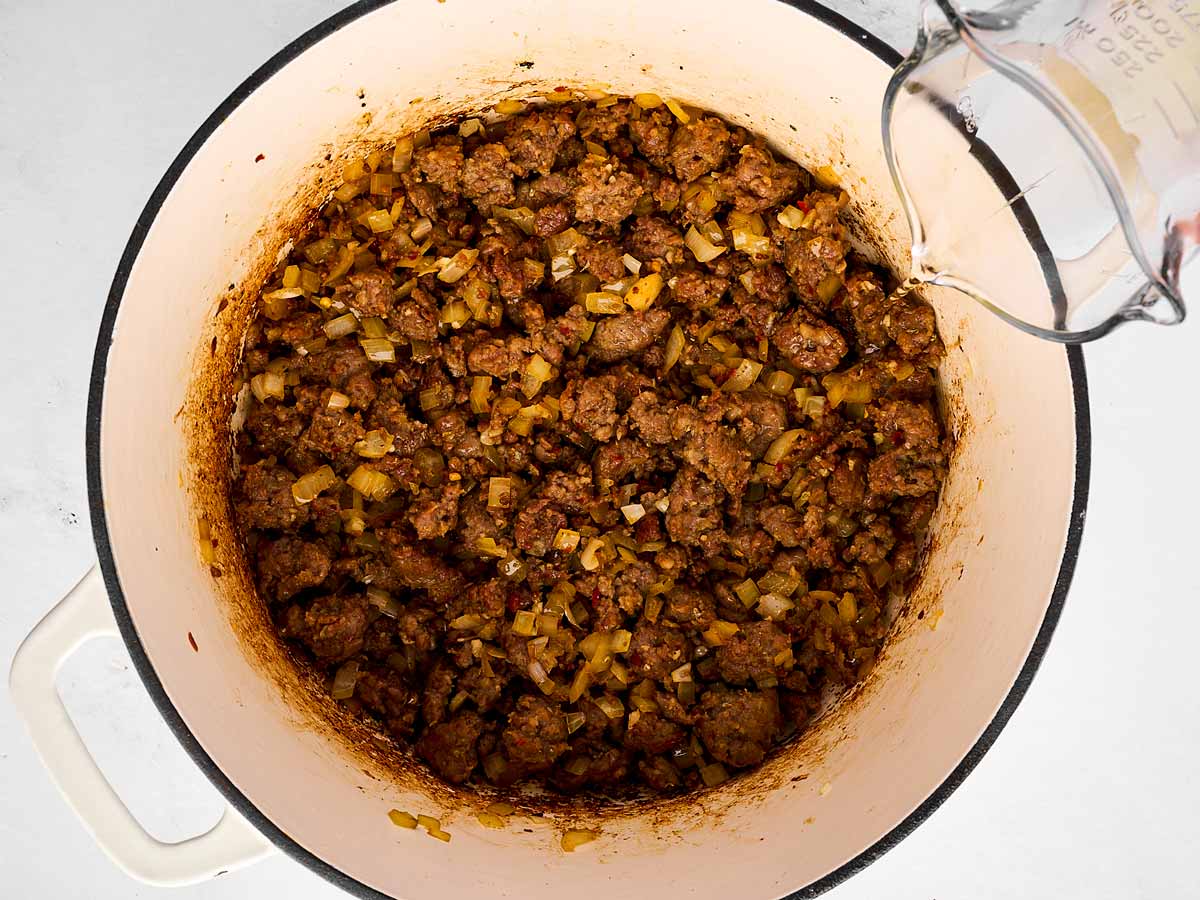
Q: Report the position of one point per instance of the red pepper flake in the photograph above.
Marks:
(595, 595)
(259, 158)
(803, 207)
(898, 438)
(514, 601)
(192, 641)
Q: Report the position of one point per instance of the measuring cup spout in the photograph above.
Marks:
(1084, 117)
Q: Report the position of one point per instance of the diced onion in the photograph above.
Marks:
(620, 286)
(722, 343)
(647, 101)
(374, 327)
(538, 371)
(501, 493)
(481, 393)
(748, 593)
(779, 382)
(513, 568)
(420, 230)
(524, 623)
(678, 111)
(790, 217)
(350, 190)
(320, 250)
(566, 540)
(378, 220)
(510, 107)
(547, 623)
(743, 376)
(275, 306)
(828, 287)
(583, 678)
(371, 483)
(577, 837)
(267, 384)
(588, 558)
(778, 583)
(561, 267)
(751, 222)
(437, 397)
(284, 293)
(632, 264)
(522, 216)
(344, 680)
(644, 291)
(604, 303)
(611, 706)
(458, 265)
(633, 512)
(384, 602)
(621, 640)
(575, 721)
(753, 244)
(702, 248)
(652, 608)
(720, 632)
(378, 349)
(375, 444)
(814, 406)
(538, 673)
(848, 608)
(402, 155)
(683, 673)
(488, 546)
(881, 573)
(291, 276)
(674, 348)
(456, 314)
(841, 388)
(782, 446)
(772, 606)
(345, 260)
(308, 487)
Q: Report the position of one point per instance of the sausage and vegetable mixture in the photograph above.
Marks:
(582, 449)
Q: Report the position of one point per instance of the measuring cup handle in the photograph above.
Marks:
(83, 615)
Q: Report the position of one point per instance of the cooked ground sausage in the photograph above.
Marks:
(573, 506)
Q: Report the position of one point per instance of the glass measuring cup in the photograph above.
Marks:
(1087, 115)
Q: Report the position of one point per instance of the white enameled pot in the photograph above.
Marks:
(1003, 539)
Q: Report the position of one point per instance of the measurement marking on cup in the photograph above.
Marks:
(1167, 119)
(1187, 102)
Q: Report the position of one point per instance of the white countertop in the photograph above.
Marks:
(1090, 792)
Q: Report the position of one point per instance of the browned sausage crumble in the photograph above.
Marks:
(582, 448)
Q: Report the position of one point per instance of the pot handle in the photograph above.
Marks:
(82, 615)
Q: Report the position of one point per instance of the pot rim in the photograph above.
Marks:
(242, 803)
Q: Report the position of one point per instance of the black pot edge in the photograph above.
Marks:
(150, 678)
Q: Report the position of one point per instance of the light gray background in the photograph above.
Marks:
(1091, 792)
